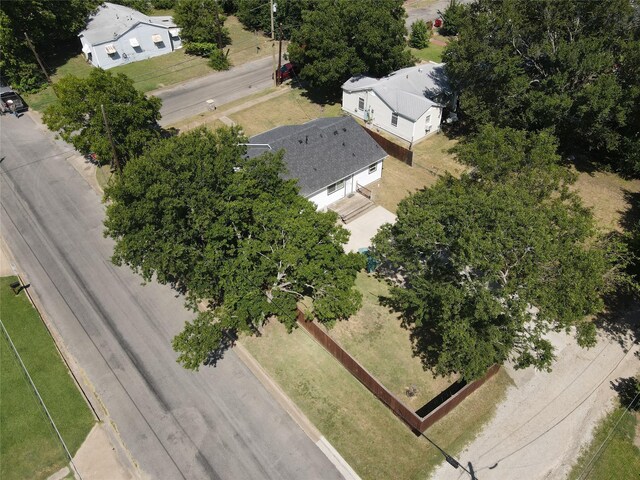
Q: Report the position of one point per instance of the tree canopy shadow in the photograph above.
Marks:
(216, 355)
(425, 342)
(627, 390)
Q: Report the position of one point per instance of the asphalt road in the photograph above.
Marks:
(218, 423)
(190, 98)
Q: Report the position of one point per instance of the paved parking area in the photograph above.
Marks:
(365, 227)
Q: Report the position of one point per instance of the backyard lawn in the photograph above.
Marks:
(376, 339)
(372, 440)
(613, 456)
(29, 447)
(433, 53)
(431, 159)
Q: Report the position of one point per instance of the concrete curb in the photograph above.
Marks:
(295, 413)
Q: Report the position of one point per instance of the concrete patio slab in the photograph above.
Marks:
(366, 226)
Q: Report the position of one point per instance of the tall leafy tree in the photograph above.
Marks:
(228, 231)
(341, 38)
(452, 17)
(485, 265)
(255, 15)
(567, 65)
(77, 115)
(201, 21)
(49, 23)
(420, 34)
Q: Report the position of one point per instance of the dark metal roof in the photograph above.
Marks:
(321, 152)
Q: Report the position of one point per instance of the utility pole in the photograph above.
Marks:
(219, 27)
(113, 145)
(273, 9)
(279, 74)
(273, 6)
(35, 54)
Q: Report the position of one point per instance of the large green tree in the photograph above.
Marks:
(201, 21)
(228, 231)
(485, 265)
(49, 23)
(77, 115)
(569, 65)
(255, 15)
(341, 38)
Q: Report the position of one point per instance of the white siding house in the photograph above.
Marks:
(116, 35)
(407, 103)
(330, 157)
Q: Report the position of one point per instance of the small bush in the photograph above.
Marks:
(420, 34)
(200, 49)
(218, 60)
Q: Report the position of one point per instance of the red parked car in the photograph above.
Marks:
(287, 71)
(437, 23)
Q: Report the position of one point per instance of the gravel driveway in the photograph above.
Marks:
(546, 418)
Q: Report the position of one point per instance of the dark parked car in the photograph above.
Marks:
(10, 101)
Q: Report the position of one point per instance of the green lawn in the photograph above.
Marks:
(29, 447)
(370, 438)
(618, 458)
(376, 339)
(433, 53)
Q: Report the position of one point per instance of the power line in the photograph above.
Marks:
(567, 415)
(613, 429)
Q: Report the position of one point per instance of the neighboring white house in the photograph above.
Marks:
(407, 103)
(116, 35)
(330, 157)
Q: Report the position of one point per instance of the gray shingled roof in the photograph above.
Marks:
(111, 21)
(321, 152)
(409, 92)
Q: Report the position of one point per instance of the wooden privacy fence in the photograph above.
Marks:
(417, 421)
(401, 153)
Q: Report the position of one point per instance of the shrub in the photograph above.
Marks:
(420, 34)
(218, 60)
(200, 49)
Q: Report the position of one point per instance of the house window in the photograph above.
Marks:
(373, 168)
(394, 119)
(427, 124)
(331, 189)
(360, 103)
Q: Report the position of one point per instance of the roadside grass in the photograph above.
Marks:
(210, 119)
(103, 175)
(76, 66)
(370, 438)
(619, 458)
(244, 43)
(431, 159)
(28, 445)
(291, 108)
(376, 339)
